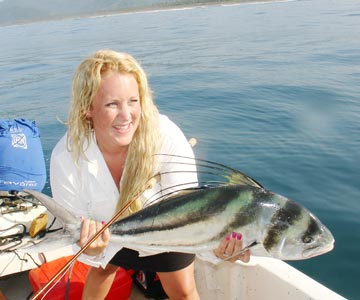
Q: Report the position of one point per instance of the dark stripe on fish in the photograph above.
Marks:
(312, 230)
(247, 214)
(280, 222)
(214, 201)
(208, 204)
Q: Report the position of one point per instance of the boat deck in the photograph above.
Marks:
(17, 287)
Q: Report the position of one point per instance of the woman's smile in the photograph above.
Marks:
(123, 128)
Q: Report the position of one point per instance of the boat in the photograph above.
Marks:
(261, 278)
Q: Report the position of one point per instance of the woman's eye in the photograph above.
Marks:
(111, 104)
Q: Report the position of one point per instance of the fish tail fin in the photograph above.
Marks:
(61, 213)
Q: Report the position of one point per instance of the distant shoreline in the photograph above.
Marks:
(149, 9)
(179, 6)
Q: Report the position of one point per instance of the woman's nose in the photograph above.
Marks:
(123, 111)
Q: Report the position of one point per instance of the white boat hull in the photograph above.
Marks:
(261, 278)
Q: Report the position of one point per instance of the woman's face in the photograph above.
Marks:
(115, 112)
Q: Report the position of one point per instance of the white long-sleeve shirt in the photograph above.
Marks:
(90, 191)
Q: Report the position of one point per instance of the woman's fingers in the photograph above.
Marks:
(234, 247)
(245, 257)
(84, 232)
(88, 229)
(106, 234)
(223, 246)
(231, 247)
(220, 251)
(92, 228)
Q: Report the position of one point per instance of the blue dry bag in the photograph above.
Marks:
(22, 164)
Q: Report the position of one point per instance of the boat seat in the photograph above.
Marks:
(74, 281)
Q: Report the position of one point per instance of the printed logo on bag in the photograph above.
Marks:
(19, 140)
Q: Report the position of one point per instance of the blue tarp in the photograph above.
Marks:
(22, 164)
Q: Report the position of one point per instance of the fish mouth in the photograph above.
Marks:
(316, 250)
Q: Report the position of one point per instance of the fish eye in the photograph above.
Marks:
(307, 239)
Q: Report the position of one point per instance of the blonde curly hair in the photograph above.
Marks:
(140, 160)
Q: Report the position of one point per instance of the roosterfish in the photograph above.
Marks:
(197, 219)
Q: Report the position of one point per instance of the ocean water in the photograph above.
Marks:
(270, 88)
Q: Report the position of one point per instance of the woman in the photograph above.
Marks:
(106, 160)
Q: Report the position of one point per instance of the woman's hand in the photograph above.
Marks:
(231, 246)
(88, 229)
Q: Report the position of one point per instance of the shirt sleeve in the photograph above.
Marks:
(65, 181)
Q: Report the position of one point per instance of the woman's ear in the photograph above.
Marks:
(88, 114)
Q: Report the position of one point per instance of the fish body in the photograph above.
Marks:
(196, 222)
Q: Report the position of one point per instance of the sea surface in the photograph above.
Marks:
(272, 89)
